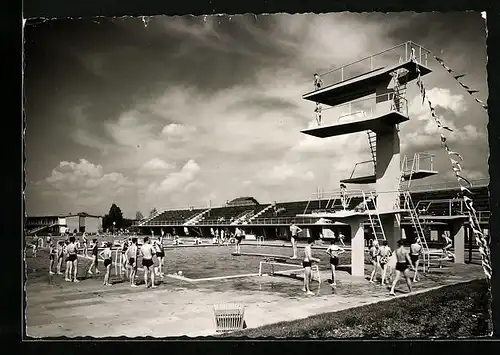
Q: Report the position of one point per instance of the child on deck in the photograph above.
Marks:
(374, 252)
(334, 251)
(384, 253)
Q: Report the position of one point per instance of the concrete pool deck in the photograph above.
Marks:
(177, 307)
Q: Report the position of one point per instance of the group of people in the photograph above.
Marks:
(406, 261)
(68, 251)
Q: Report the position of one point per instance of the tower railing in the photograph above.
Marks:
(363, 108)
(389, 57)
(420, 161)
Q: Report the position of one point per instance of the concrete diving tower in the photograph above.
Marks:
(370, 95)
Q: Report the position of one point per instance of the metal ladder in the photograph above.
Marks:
(376, 224)
(419, 231)
(372, 140)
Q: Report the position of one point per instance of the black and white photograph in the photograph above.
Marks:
(271, 175)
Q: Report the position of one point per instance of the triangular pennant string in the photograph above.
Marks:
(458, 76)
(481, 240)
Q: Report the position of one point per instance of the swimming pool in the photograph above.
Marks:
(207, 262)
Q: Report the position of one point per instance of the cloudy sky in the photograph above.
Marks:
(191, 109)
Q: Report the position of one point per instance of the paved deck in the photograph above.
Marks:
(177, 308)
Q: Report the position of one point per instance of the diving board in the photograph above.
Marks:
(268, 256)
(371, 179)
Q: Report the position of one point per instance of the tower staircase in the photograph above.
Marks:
(197, 218)
(242, 217)
(260, 213)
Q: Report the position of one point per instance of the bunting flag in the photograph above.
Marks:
(465, 185)
(459, 76)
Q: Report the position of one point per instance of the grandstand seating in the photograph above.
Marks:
(289, 210)
(226, 215)
(175, 215)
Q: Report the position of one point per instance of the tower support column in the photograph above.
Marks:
(357, 247)
(388, 174)
(457, 233)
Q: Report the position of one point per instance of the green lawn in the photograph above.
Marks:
(454, 311)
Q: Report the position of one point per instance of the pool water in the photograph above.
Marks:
(206, 262)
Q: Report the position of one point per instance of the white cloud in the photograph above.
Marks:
(157, 165)
(178, 180)
(283, 172)
(85, 182)
(440, 98)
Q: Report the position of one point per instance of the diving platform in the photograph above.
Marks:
(364, 76)
(420, 166)
(378, 123)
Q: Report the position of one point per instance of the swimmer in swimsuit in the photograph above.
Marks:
(52, 256)
(415, 251)
(95, 257)
(60, 256)
(374, 259)
(85, 245)
(403, 260)
(238, 234)
(147, 261)
(295, 233)
(123, 257)
(307, 263)
(384, 253)
(132, 261)
(108, 260)
(72, 263)
(160, 255)
(334, 251)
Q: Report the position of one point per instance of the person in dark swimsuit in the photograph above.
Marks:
(72, 264)
(132, 261)
(306, 264)
(334, 251)
(415, 251)
(123, 260)
(95, 256)
(108, 260)
(147, 261)
(403, 260)
(160, 255)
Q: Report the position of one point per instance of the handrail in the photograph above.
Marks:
(360, 163)
(420, 57)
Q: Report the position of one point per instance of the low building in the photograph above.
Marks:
(79, 223)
